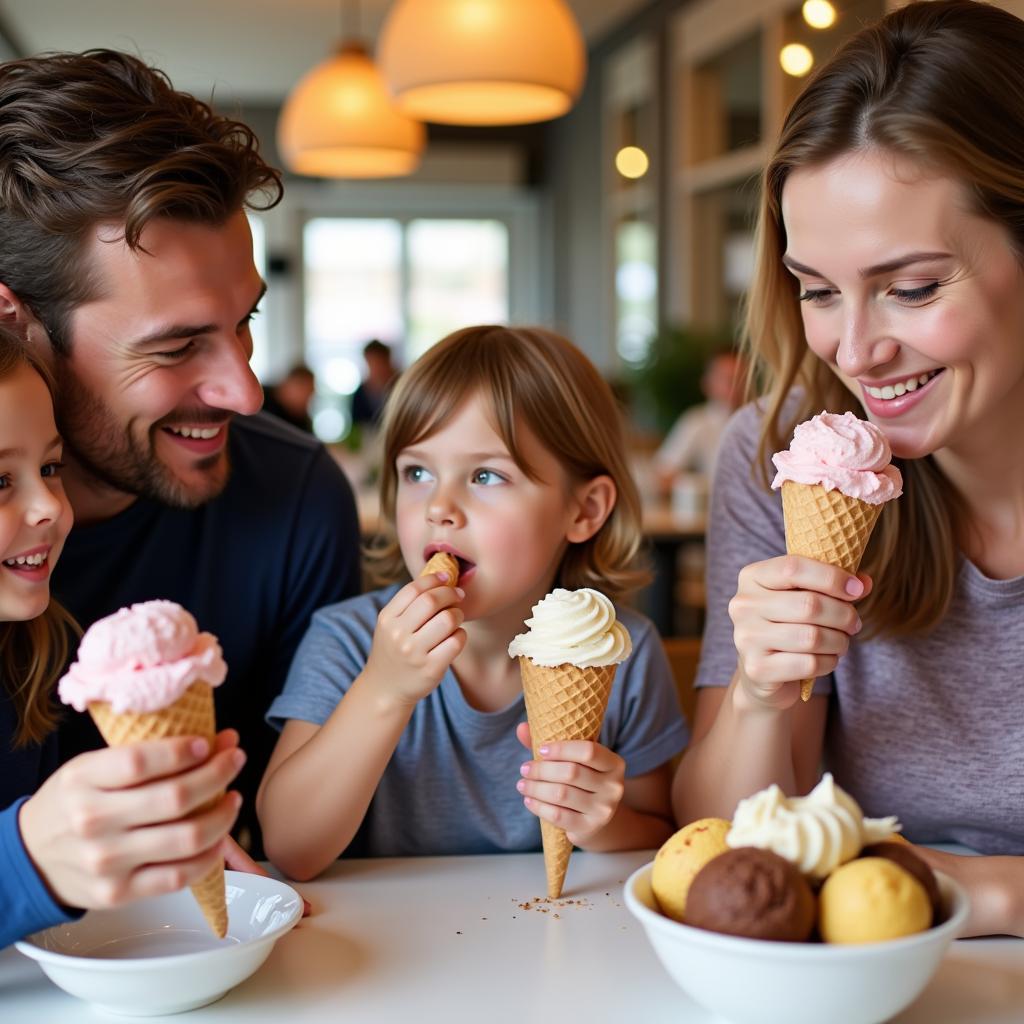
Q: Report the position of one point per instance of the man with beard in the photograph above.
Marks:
(126, 259)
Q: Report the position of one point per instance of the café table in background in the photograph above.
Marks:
(666, 533)
(461, 940)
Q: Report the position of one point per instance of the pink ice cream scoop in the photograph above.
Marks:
(142, 659)
(842, 453)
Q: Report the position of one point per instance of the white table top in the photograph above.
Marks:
(458, 939)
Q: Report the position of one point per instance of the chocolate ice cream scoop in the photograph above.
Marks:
(753, 893)
(902, 854)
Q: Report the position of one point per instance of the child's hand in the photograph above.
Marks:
(418, 636)
(576, 785)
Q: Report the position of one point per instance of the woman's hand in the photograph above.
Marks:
(994, 885)
(418, 636)
(576, 785)
(120, 824)
(792, 620)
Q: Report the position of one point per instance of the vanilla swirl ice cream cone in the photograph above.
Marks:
(146, 672)
(567, 661)
(818, 832)
(835, 478)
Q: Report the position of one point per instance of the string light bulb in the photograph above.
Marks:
(796, 59)
(632, 162)
(819, 13)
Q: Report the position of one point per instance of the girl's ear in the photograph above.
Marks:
(15, 314)
(12, 309)
(593, 501)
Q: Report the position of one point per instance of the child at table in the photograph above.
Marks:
(403, 711)
(96, 833)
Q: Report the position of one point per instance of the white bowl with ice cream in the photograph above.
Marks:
(758, 945)
(159, 956)
(747, 981)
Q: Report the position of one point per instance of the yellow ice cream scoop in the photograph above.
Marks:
(870, 900)
(441, 561)
(681, 857)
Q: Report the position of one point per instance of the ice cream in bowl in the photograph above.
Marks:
(798, 911)
(147, 672)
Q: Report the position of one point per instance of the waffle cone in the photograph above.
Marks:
(441, 561)
(563, 703)
(828, 526)
(191, 714)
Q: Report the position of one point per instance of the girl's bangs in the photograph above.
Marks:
(438, 398)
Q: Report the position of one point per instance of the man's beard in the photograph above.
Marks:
(110, 452)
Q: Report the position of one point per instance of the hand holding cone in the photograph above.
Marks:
(835, 478)
(827, 526)
(566, 685)
(147, 673)
(563, 702)
(191, 715)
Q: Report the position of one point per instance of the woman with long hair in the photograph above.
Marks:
(889, 283)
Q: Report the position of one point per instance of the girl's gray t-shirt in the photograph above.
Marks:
(450, 786)
(929, 728)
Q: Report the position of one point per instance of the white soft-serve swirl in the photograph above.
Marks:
(573, 627)
(817, 832)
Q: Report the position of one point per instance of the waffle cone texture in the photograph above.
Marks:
(192, 714)
(828, 526)
(441, 561)
(563, 703)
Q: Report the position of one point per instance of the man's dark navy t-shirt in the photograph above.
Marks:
(21, 770)
(252, 566)
(25, 903)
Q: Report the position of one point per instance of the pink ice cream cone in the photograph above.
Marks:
(835, 479)
(144, 673)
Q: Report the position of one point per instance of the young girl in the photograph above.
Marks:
(402, 710)
(907, 148)
(99, 831)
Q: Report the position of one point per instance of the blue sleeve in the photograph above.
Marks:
(25, 902)
(323, 563)
(332, 653)
(644, 725)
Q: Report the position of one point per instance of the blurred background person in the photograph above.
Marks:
(692, 443)
(289, 400)
(368, 399)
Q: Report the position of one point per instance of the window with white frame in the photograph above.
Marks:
(406, 282)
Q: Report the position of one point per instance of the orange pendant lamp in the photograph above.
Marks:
(482, 62)
(340, 122)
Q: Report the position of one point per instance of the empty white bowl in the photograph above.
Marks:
(159, 956)
(749, 981)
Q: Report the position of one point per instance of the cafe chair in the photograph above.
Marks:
(683, 654)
